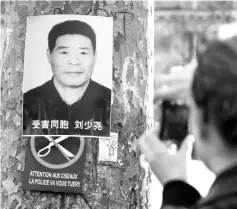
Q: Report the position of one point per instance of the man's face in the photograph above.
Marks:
(72, 60)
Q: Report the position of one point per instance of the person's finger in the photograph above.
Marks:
(186, 146)
(190, 144)
(172, 148)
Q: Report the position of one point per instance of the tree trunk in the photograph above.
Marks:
(106, 185)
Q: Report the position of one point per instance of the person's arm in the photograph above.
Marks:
(179, 194)
(170, 169)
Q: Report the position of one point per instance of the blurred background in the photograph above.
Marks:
(181, 28)
(180, 25)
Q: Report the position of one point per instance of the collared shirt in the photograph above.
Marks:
(45, 113)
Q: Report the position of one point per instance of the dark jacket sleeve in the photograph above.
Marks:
(179, 194)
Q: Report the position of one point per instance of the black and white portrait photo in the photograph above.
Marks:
(67, 75)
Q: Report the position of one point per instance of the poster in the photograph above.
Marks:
(55, 164)
(67, 77)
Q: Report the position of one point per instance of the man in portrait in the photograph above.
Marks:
(70, 103)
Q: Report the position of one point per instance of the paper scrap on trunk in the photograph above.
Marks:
(108, 148)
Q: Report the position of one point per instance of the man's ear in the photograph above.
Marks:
(95, 56)
(48, 56)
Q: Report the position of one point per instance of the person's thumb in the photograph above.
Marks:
(186, 146)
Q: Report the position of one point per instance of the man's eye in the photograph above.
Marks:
(63, 52)
(84, 53)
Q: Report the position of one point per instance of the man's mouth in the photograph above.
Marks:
(74, 73)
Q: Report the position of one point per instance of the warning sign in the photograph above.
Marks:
(55, 164)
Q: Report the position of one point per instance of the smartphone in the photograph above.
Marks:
(174, 122)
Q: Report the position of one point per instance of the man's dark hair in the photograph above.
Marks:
(71, 27)
(214, 87)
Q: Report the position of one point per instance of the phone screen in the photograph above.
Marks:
(174, 122)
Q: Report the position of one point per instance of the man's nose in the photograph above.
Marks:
(74, 59)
